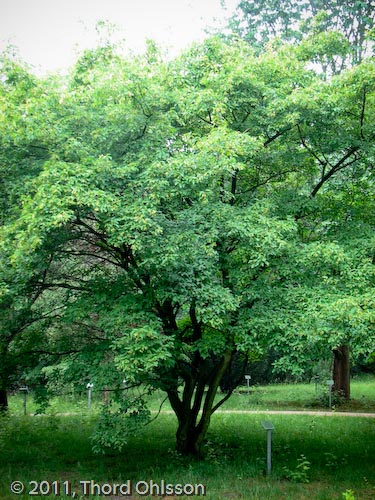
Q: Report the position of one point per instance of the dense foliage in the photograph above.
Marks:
(161, 219)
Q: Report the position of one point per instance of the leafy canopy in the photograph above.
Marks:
(184, 211)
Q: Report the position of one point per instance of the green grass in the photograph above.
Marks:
(339, 452)
(303, 396)
(270, 397)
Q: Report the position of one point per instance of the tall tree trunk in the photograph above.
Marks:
(341, 371)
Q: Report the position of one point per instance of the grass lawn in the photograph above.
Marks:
(314, 457)
(303, 396)
(270, 397)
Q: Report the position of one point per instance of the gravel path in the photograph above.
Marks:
(301, 412)
(257, 412)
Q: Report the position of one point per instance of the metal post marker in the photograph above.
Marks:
(247, 378)
(89, 387)
(24, 390)
(330, 384)
(268, 426)
(316, 378)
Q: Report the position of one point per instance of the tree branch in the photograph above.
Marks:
(277, 134)
(338, 166)
(209, 121)
(310, 150)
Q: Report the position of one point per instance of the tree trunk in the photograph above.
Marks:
(188, 439)
(4, 369)
(341, 371)
(193, 425)
(3, 400)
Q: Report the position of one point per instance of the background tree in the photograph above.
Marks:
(316, 21)
(334, 36)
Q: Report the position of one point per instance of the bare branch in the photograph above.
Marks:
(159, 411)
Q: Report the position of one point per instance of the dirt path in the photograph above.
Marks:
(289, 412)
(302, 412)
(258, 412)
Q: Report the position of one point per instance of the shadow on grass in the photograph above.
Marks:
(339, 453)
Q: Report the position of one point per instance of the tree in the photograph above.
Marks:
(190, 210)
(258, 23)
(334, 36)
(28, 108)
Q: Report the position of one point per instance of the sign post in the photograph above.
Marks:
(24, 390)
(330, 384)
(247, 378)
(268, 426)
(89, 387)
(316, 379)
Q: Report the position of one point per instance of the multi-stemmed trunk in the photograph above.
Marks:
(196, 405)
